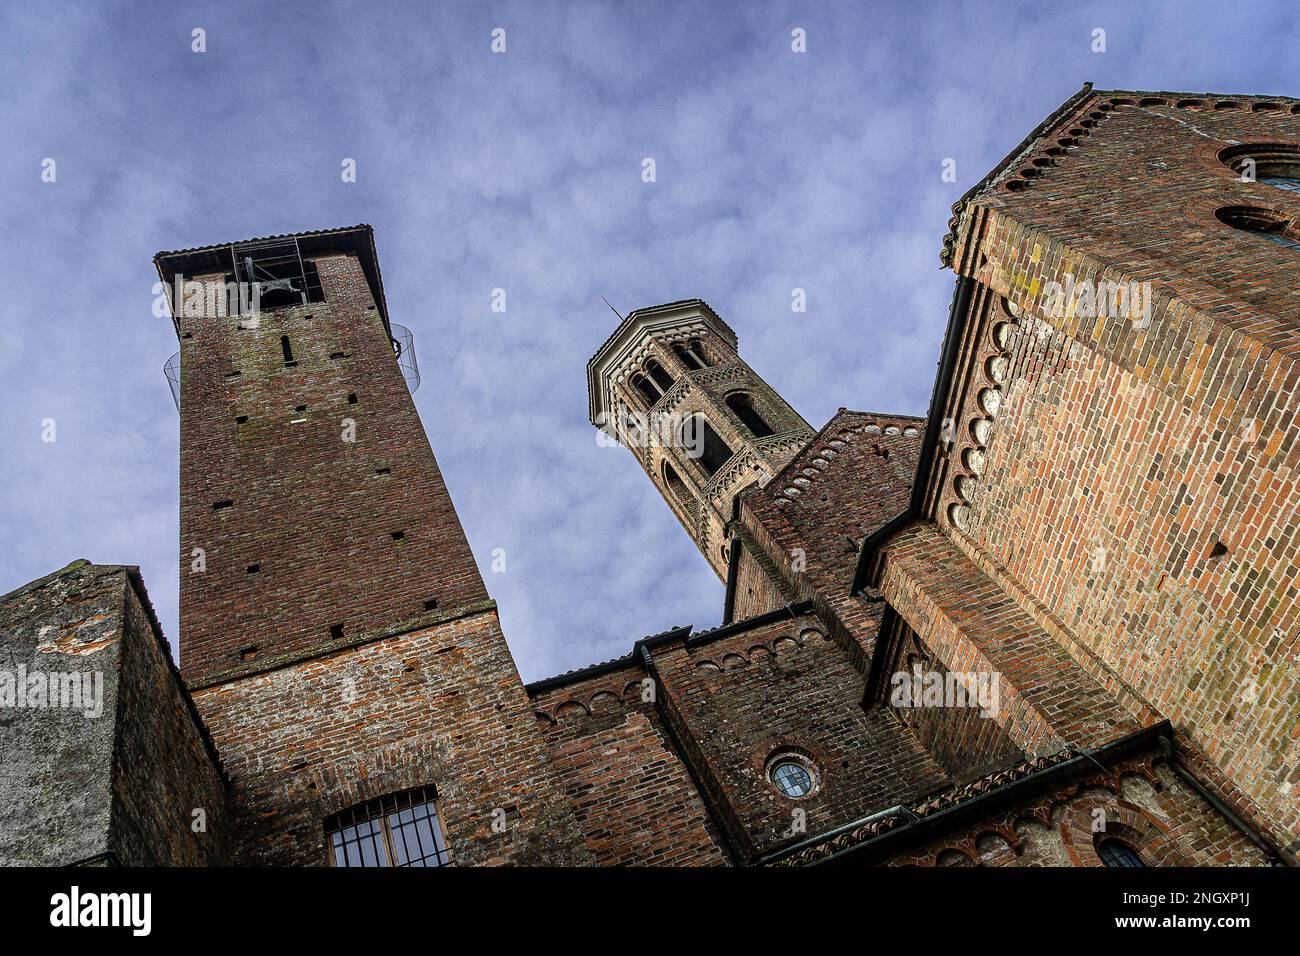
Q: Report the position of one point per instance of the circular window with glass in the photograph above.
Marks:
(1273, 164)
(793, 775)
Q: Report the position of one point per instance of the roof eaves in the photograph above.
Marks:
(954, 224)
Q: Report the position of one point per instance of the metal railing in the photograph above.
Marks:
(404, 348)
(172, 369)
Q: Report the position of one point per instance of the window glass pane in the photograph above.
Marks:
(1291, 183)
(414, 839)
(1115, 853)
(1280, 239)
(792, 779)
(401, 851)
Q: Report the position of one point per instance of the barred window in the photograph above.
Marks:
(1115, 853)
(397, 830)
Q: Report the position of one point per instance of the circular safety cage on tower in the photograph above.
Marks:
(172, 369)
(404, 348)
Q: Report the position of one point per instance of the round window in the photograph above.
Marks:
(791, 776)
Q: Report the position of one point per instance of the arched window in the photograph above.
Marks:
(1115, 853)
(744, 409)
(697, 348)
(704, 444)
(1273, 164)
(401, 829)
(675, 483)
(1261, 222)
(660, 377)
(688, 358)
(646, 388)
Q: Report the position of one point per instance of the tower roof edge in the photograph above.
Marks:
(636, 324)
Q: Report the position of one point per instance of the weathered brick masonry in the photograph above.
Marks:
(439, 706)
(125, 775)
(1053, 623)
(298, 474)
(1133, 485)
(340, 639)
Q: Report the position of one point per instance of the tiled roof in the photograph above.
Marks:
(925, 807)
(601, 667)
(651, 308)
(285, 235)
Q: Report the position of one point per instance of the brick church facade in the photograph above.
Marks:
(1053, 623)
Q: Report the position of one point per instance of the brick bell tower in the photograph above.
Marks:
(670, 386)
(335, 631)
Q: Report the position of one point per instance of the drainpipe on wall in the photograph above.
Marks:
(1274, 857)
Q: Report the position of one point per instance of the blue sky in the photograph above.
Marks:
(521, 171)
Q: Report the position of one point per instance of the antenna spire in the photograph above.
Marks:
(611, 308)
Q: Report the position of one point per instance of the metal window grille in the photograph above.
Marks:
(397, 830)
(792, 779)
(1115, 853)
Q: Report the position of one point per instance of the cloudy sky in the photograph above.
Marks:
(775, 170)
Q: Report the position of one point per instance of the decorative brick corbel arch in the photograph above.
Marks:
(1147, 834)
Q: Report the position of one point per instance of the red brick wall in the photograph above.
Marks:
(310, 509)
(1139, 487)
(633, 797)
(851, 478)
(787, 686)
(440, 707)
(963, 738)
(1141, 803)
(1046, 699)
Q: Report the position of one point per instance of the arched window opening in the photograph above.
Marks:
(697, 348)
(646, 388)
(401, 829)
(744, 408)
(660, 377)
(1272, 164)
(1261, 222)
(1116, 853)
(689, 359)
(675, 483)
(704, 444)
